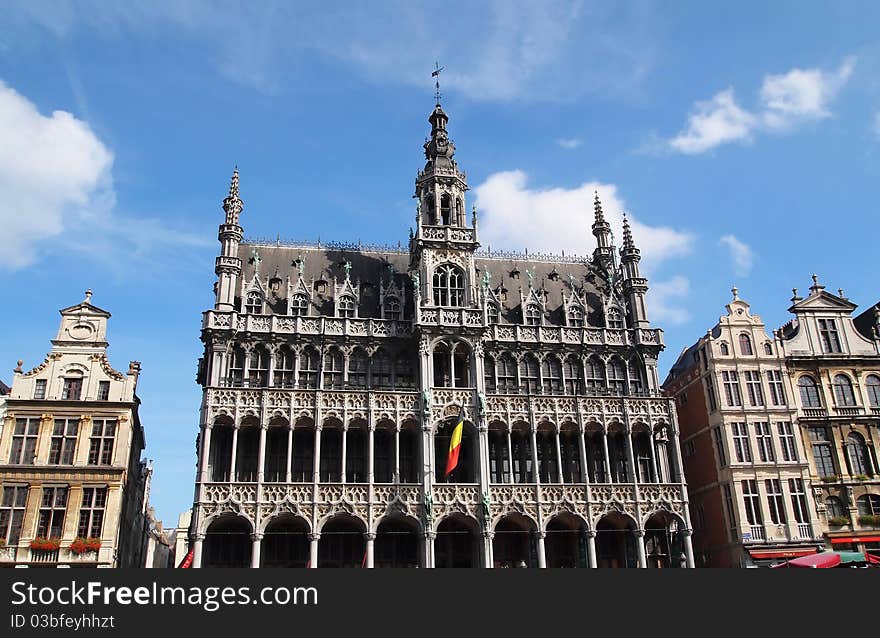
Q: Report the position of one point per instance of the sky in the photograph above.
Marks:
(743, 140)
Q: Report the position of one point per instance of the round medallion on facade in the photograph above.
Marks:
(81, 331)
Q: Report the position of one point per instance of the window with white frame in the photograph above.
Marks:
(752, 502)
(753, 388)
(101, 441)
(741, 442)
(575, 317)
(253, 304)
(615, 319)
(492, 312)
(345, 306)
(828, 335)
(532, 315)
(12, 508)
(764, 438)
(392, 308)
(91, 512)
(731, 388)
(448, 285)
(40, 389)
(53, 506)
(777, 390)
(786, 441)
(798, 500)
(775, 501)
(24, 441)
(103, 390)
(299, 305)
(63, 443)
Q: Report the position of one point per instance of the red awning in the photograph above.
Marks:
(856, 539)
(781, 553)
(821, 560)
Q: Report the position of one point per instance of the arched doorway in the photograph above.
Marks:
(342, 543)
(227, 543)
(565, 542)
(457, 543)
(616, 541)
(397, 543)
(285, 542)
(514, 543)
(664, 544)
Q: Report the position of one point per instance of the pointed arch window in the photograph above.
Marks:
(575, 317)
(236, 367)
(448, 285)
(745, 345)
(492, 313)
(299, 305)
(843, 391)
(357, 369)
(333, 369)
(459, 212)
(809, 392)
(392, 308)
(507, 374)
(636, 379)
(873, 384)
(284, 367)
(258, 369)
(380, 370)
(595, 375)
(573, 371)
(489, 374)
(528, 374)
(616, 376)
(254, 303)
(615, 319)
(308, 368)
(445, 210)
(345, 306)
(551, 373)
(533, 315)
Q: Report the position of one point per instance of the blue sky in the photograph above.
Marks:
(743, 139)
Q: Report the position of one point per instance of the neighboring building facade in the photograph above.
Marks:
(333, 375)
(834, 362)
(748, 477)
(70, 450)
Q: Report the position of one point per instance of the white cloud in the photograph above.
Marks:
(569, 143)
(666, 300)
(58, 191)
(716, 121)
(786, 101)
(515, 216)
(741, 254)
(802, 94)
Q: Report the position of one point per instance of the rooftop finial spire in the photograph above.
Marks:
(735, 292)
(436, 74)
(597, 208)
(627, 234)
(233, 205)
(88, 298)
(816, 287)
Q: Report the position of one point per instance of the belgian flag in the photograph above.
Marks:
(455, 443)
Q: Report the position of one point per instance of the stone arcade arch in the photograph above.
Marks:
(616, 541)
(342, 542)
(565, 543)
(664, 541)
(457, 543)
(398, 542)
(467, 470)
(285, 542)
(514, 543)
(228, 542)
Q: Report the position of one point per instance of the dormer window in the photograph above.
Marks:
(768, 349)
(103, 390)
(392, 308)
(532, 315)
(724, 349)
(745, 345)
(448, 285)
(40, 389)
(828, 334)
(615, 319)
(254, 303)
(492, 313)
(345, 306)
(299, 305)
(72, 388)
(576, 317)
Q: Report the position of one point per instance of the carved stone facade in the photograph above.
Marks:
(72, 485)
(333, 374)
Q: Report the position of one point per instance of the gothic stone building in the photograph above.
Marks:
(333, 374)
(747, 473)
(70, 450)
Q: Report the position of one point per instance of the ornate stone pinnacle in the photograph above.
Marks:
(627, 234)
(233, 205)
(597, 209)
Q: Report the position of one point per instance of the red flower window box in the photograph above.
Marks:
(83, 545)
(46, 544)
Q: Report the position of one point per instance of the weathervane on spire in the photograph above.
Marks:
(436, 74)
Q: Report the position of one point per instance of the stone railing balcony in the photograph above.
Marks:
(44, 555)
(849, 411)
(575, 336)
(468, 317)
(283, 324)
(812, 413)
(447, 233)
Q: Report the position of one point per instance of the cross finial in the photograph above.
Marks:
(436, 74)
